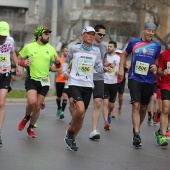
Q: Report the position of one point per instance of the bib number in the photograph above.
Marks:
(84, 66)
(45, 81)
(3, 59)
(141, 68)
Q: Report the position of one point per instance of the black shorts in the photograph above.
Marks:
(140, 92)
(59, 88)
(31, 84)
(154, 87)
(110, 92)
(121, 87)
(5, 80)
(81, 94)
(165, 94)
(98, 90)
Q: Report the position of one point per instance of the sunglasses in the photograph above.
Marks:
(100, 34)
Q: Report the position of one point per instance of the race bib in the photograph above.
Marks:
(168, 66)
(45, 81)
(141, 68)
(113, 72)
(85, 65)
(3, 59)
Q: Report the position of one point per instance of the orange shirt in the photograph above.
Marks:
(59, 77)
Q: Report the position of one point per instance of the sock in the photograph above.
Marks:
(31, 126)
(71, 129)
(58, 104)
(27, 117)
(64, 103)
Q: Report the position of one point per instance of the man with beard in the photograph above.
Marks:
(145, 52)
(38, 56)
(6, 54)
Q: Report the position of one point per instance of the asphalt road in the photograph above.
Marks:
(114, 151)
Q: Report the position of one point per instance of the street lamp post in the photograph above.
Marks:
(53, 38)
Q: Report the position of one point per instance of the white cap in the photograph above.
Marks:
(118, 51)
(88, 29)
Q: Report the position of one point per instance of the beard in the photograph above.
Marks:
(2, 40)
(44, 41)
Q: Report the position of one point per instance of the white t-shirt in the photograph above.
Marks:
(83, 64)
(5, 50)
(112, 78)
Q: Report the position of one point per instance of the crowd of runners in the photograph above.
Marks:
(90, 68)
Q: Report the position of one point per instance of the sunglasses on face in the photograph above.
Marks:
(100, 34)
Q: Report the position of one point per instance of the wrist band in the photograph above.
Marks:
(22, 64)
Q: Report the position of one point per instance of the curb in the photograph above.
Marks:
(24, 100)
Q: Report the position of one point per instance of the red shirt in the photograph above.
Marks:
(164, 59)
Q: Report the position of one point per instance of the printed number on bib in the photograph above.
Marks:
(45, 81)
(141, 68)
(84, 66)
(3, 59)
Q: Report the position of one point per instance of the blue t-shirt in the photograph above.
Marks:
(143, 56)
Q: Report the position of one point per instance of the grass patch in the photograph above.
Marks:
(17, 94)
(21, 94)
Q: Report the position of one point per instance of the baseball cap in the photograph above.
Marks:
(150, 25)
(118, 51)
(40, 30)
(88, 29)
(4, 28)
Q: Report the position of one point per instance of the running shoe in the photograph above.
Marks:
(109, 119)
(157, 133)
(61, 116)
(94, 135)
(31, 133)
(162, 140)
(149, 119)
(58, 113)
(22, 124)
(113, 117)
(106, 126)
(1, 141)
(157, 117)
(137, 141)
(43, 106)
(71, 144)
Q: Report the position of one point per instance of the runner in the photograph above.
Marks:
(85, 58)
(164, 72)
(61, 87)
(110, 84)
(145, 52)
(7, 54)
(38, 56)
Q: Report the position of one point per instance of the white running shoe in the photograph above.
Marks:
(94, 135)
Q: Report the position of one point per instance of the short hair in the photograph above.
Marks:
(99, 26)
(114, 43)
(64, 48)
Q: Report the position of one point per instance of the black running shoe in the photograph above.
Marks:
(137, 141)
(71, 144)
